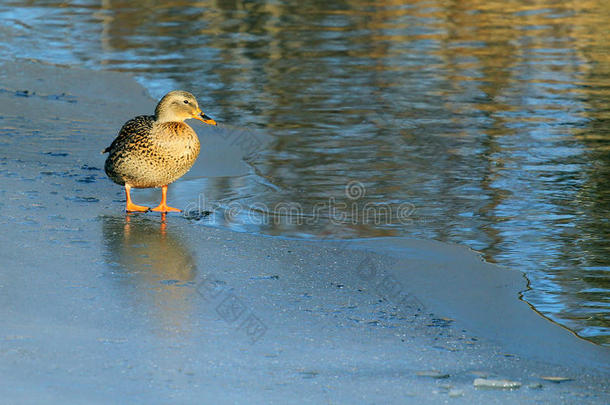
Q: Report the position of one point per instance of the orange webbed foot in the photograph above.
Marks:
(165, 208)
(131, 207)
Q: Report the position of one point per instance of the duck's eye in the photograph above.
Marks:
(186, 101)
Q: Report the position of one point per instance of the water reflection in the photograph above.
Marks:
(490, 117)
(153, 266)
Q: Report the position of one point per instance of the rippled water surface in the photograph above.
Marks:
(478, 122)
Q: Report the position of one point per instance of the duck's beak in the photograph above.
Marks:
(204, 118)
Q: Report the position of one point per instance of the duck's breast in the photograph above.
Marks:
(175, 146)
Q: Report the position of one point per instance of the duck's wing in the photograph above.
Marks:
(133, 131)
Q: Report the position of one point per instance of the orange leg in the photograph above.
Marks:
(130, 206)
(163, 206)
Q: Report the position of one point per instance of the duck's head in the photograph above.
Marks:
(180, 105)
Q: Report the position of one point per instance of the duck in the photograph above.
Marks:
(153, 151)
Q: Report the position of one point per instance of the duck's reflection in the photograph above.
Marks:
(154, 265)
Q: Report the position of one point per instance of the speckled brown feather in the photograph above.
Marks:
(151, 154)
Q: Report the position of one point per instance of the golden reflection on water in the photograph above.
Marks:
(490, 117)
(154, 266)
